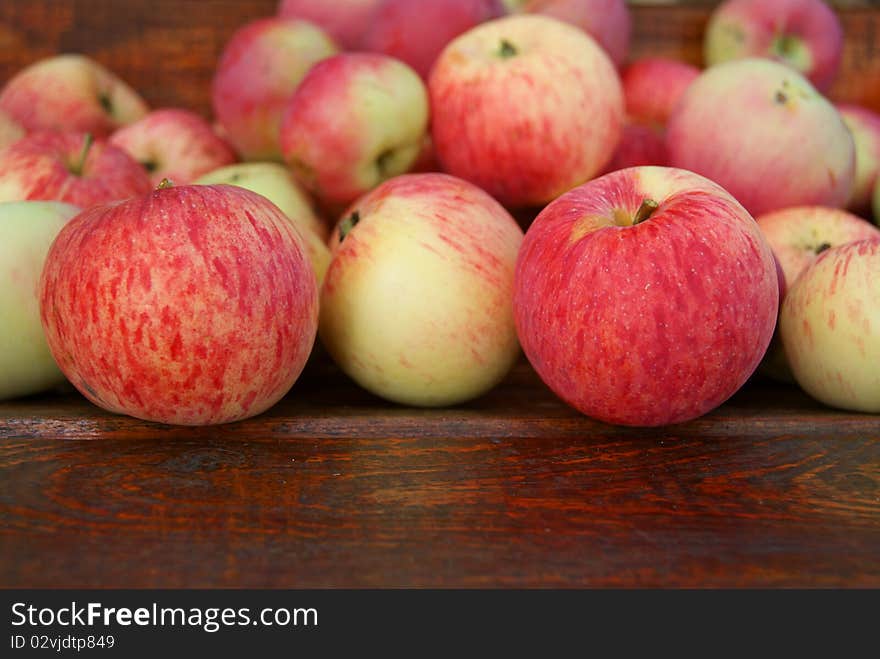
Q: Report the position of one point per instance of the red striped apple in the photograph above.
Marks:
(416, 304)
(27, 228)
(797, 236)
(190, 305)
(653, 86)
(803, 34)
(69, 167)
(70, 93)
(645, 297)
(526, 107)
(10, 130)
(356, 120)
(259, 69)
(761, 130)
(175, 144)
(830, 327)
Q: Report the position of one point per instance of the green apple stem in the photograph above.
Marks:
(507, 49)
(645, 211)
(348, 224)
(165, 183)
(80, 164)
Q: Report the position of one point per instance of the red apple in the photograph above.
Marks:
(416, 32)
(356, 120)
(526, 107)
(864, 125)
(344, 20)
(69, 167)
(640, 145)
(607, 21)
(175, 144)
(258, 71)
(652, 87)
(803, 34)
(645, 297)
(193, 305)
(761, 130)
(70, 93)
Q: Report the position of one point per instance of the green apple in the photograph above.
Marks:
(27, 228)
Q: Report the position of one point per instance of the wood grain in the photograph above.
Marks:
(334, 488)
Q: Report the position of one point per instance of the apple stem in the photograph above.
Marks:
(821, 248)
(348, 224)
(77, 169)
(165, 183)
(645, 211)
(507, 49)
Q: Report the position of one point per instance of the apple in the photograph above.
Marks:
(355, 120)
(175, 144)
(797, 236)
(191, 305)
(645, 297)
(805, 35)
(70, 93)
(830, 327)
(526, 107)
(344, 20)
(27, 228)
(865, 128)
(640, 145)
(258, 71)
(652, 87)
(416, 304)
(876, 201)
(10, 130)
(416, 32)
(70, 167)
(607, 21)
(761, 130)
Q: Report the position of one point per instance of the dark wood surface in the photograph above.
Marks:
(333, 487)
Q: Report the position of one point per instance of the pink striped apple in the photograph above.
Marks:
(526, 107)
(190, 305)
(10, 130)
(344, 20)
(864, 124)
(645, 297)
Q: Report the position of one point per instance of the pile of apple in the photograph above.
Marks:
(358, 185)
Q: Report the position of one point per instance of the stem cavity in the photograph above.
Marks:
(506, 50)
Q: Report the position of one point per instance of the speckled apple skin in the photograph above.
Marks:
(830, 327)
(194, 305)
(651, 324)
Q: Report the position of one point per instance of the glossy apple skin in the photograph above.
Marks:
(38, 167)
(416, 306)
(607, 21)
(864, 125)
(760, 130)
(344, 20)
(10, 130)
(70, 93)
(174, 143)
(259, 69)
(529, 126)
(751, 28)
(355, 120)
(652, 87)
(830, 327)
(27, 228)
(651, 324)
(191, 305)
(797, 236)
(416, 32)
